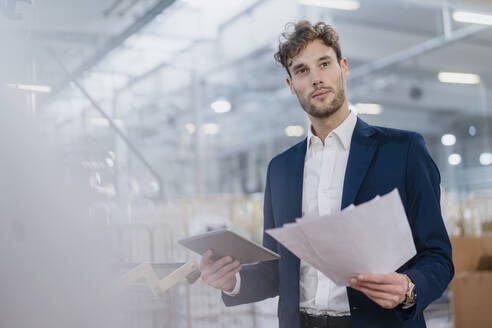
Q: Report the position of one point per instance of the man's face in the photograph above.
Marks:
(318, 79)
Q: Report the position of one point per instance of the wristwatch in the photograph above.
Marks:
(410, 294)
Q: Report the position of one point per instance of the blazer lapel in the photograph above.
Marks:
(291, 263)
(362, 150)
(296, 173)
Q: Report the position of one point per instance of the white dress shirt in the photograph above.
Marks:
(324, 173)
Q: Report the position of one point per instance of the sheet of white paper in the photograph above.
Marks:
(293, 239)
(373, 237)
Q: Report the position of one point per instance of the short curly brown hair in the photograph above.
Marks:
(298, 36)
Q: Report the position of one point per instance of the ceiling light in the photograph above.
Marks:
(210, 128)
(190, 127)
(486, 158)
(474, 18)
(221, 106)
(472, 131)
(333, 4)
(294, 131)
(368, 109)
(109, 161)
(463, 78)
(448, 139)
(98, 178)
(30, 87)
(454, 159)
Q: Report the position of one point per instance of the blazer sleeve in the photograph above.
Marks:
(432, 268)
(259, 281)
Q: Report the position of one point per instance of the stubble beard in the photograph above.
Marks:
(325, 110)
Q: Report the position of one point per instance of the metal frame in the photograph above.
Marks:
(419, 49)
(116, 41)
(113, 125)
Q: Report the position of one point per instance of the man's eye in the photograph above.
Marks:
(302, 70)
(324, 64)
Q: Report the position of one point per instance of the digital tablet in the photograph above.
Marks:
(228, 243)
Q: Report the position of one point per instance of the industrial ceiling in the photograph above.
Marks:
(136, 79)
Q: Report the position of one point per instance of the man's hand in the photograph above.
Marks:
(387, 290)
(220, 274)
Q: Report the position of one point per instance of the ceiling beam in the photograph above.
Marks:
(417, 50)
(115, 42)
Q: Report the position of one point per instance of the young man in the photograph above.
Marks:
(343, 161)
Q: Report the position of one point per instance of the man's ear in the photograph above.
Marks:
(289, 82)
(344, 67)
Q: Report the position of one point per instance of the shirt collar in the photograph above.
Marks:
(344, 131)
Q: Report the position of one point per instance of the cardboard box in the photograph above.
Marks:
(472, 288)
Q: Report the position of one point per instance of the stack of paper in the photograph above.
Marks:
(373, 237)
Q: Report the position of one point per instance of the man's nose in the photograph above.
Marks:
(316, 80)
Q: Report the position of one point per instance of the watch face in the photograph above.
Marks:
(413, 294)
(410, 294)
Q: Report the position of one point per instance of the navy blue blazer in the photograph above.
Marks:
(380, 159)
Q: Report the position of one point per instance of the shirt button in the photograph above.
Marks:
(355, 308)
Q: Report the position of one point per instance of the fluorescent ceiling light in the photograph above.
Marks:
(474, 18)
(294, 131)
(368, 109)
(30, 87)
(112, 155)
(448, 139)
(333, 4)
(486, 158)
(221, 106)
(109, 161)
(210, 128)
(98, 177)
(454, 159)
(190, 127)
(462, 78)
(472, 131)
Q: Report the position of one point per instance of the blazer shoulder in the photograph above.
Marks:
(391, 134)
(292, 151)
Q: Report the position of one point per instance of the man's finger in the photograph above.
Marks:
(213, 277)
(398, 289)
(210, 269)
(224, 270)
(206, 264)
(217, 265)
(373, 294)
(380, 278)
(206, 258)
(221, 283)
